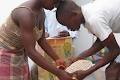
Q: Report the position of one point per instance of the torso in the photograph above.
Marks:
(10, 36)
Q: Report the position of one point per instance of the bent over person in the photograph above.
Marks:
(102, 19)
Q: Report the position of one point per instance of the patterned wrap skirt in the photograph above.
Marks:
(13, 65)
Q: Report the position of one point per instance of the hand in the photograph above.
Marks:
(64, 75)
(71, 60)
(61, 64)
(64, 33)
(80, 75)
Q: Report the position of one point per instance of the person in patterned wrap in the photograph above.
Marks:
(18, 36)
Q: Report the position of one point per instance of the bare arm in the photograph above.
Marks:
(97, 46)
(42, 41)
(114, 50)
(47, 48)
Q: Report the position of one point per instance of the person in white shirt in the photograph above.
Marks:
(101, 18)
(54, 28)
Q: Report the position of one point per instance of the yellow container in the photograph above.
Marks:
(63, 47)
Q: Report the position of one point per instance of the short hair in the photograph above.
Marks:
(65, 7)
(62, 7)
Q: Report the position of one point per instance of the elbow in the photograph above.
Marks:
(29, 50)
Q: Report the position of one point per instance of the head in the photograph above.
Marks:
(49, 4)
(69, 14)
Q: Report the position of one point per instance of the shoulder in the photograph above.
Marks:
(96, 21)
(99, 27)
(22, 13)
(23, 17)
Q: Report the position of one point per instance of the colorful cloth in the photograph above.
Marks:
(12, 66)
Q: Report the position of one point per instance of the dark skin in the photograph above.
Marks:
(71, 21)
(24, 18)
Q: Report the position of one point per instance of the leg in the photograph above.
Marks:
(112, 71)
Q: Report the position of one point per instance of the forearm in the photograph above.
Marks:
(97, 46)
(48, 49)
(85, 54)
(42, 62)
(114, 50)
(105, 60)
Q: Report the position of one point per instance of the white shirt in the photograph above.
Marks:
(102, 17)
(53, 27)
